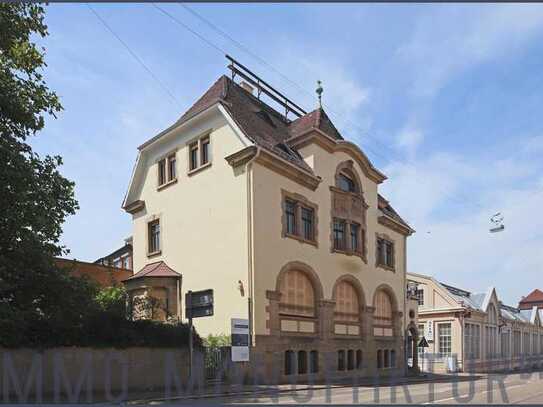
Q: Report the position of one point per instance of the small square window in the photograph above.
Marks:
(385, 253)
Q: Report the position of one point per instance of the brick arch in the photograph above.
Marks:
(307, 270)
(348, 166)
(357, 286)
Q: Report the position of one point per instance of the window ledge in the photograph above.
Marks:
(350, 253)
(167, 184)
(385, 338)
(385, 267)
(301, 239)
(198, 169)
(154, 254)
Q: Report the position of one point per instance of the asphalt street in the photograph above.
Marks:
(488, 389)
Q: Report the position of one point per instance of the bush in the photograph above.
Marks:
(217, 341)
(95, 318)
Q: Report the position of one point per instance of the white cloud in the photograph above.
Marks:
(459, 249)
(409, 139)
(344, 96)
(447, 42)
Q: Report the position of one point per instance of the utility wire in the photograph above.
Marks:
(182, 24)
(281, 74)
(134, 55)
(245, 49)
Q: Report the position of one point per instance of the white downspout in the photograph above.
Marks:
(250, 260)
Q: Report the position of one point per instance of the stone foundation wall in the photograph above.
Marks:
(91, 375)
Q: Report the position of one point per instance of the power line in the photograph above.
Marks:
(281, 74)
(245, 49)
(182, 24)
(134, 55)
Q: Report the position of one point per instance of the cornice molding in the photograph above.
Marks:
(135, 206)
(316, 136)
(395, 225)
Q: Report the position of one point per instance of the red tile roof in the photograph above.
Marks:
(317, 119)
(534, 296)
(157, 269)
(388, 210)
(104, 276)
(261, 123)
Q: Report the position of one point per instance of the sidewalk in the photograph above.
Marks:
(226, 390)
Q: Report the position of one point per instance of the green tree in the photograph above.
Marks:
(35, 198)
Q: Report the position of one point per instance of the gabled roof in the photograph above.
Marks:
(317, 119)
(389, 211)
(157, 269)
(534, 296)
(511, 313)
(259, 122)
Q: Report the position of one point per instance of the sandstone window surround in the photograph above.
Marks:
(299, 219)
(385, 256)
(166, 170)
(154, 240)
(199, 154)
(348, 213)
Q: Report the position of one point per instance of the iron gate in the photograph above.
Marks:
(216, 361)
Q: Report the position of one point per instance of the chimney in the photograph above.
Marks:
(247, 87)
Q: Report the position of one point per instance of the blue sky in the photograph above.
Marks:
(445, 99)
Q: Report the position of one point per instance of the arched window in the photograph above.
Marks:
(383, 314)
(347, 179)
(491, 331)
(346, 182)
(492, 314)
(347, 305)
(297, 294)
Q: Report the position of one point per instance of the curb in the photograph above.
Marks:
(417, 380)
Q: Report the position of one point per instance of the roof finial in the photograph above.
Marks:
(319, 91)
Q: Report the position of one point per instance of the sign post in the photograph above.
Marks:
(197, 304)
(240, 340)
(423, 344)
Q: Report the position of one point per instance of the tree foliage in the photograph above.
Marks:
(35, 198)
(42, 305)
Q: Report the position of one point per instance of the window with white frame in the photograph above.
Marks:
(167, 172)
(200, 155)
(153, 236)
(444, 331)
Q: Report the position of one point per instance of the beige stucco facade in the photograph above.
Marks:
(203, 219)
(222, 227)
